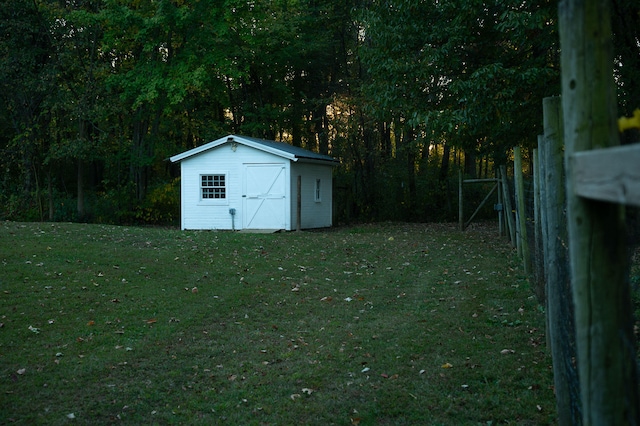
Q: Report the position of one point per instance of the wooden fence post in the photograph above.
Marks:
(460, 197)
(538, 264)
(521, 211)
(536, 203)
(500, 208)
(597, 243)
(560, 316)
(543, 230)
(507, 205)
(299, 204)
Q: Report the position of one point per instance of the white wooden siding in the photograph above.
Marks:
(197, 213)
(207, 214)
(314, 214)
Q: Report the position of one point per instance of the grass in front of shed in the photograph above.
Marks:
(374, 324)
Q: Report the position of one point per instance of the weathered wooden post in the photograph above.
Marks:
(507, 205)
(544, 228)
(500, 208)
(299, 204)
(538, 255)
(536, 207)
(520, 210)
(561, 331)
(542, 168)
(460, 198)
(597, 251)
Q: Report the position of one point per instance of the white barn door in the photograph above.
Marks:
(264, 196)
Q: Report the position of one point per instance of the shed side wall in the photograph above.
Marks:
(314, 214)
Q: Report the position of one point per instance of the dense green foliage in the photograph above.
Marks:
(96, 94)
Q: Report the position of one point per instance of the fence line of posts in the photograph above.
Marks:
(582, 181)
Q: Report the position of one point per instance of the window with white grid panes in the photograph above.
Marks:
(213, 187)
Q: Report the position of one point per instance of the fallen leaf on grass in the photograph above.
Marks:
(21, 371)
(91, 323)
(447, 365)
(151, 321)
(507, 351)
(326, 299)
(295, 396)
(35, 330)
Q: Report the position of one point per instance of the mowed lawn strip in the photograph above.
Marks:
(373, 324)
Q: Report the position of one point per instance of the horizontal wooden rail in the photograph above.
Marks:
(480, 180)
(608, 174)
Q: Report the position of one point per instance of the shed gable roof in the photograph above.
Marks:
(280, 149)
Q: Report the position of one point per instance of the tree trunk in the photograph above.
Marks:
(80, 184)
(470, 164)
(50, 195)
(385, 139)
(444, 165)
(139, 151)
(321, 129)
(409, 146)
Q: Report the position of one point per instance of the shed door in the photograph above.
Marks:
(264, 196)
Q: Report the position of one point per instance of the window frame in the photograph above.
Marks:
(220, 175)
(317, 191)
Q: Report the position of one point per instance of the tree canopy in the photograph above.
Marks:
(96, 94)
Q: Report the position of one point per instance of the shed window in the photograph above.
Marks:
(317, 193)
(213, 187)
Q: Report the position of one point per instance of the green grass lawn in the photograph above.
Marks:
(388, 324)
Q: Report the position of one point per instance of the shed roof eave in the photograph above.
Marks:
(261, 145)
(331, 163)
(197, 150)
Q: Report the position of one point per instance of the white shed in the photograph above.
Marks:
(237, 182)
